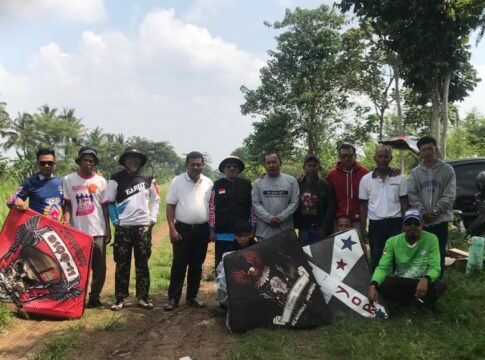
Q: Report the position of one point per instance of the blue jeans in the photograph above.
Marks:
(307, 236)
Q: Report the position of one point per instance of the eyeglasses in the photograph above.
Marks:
(412, 222)
(346, 156)
(46, 163)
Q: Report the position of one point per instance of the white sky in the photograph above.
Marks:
(166, 70)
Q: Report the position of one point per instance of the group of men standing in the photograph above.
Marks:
(200, 211)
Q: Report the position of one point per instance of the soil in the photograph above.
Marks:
(132, 332)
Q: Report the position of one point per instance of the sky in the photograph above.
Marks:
(165, 70)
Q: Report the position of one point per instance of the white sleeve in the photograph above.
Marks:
(363, 192)
(112, 190)
(171, 197)
(154, 201)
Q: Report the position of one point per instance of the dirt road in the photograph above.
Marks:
(133, 332)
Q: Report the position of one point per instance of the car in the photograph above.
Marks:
(466, 171)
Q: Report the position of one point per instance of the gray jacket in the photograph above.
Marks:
(433, 189)
(274, 196)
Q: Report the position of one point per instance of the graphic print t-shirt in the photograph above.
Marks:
(87, 195)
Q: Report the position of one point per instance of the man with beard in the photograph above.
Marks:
(230, 202)
(275, 199)
(134, 202)
(43, 189)
(409, 269)
(315, 215)
(86, 208)
(383, 199)
(187, 215)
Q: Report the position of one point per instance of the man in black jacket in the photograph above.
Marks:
(230, 202)
(315, 215)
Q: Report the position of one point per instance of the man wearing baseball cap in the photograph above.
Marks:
(86, 208)
(410, 266)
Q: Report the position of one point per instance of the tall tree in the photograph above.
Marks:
(431, 39)
(305, 80)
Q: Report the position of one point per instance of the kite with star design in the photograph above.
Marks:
(342, 271)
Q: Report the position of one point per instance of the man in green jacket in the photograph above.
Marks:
(410, 266)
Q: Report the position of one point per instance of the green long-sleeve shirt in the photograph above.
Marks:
(409, 261)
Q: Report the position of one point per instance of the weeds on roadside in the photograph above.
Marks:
(58, 347)
(110, 323)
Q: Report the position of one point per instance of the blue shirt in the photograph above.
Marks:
(45, 195)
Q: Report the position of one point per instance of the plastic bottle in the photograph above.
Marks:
(475, 255)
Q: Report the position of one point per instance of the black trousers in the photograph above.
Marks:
(441, 232)
(401, 290)
(379, 232)
(222, 247)
(188, 256)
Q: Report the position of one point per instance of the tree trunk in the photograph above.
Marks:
(444, 115)
(312, 131)
(435, 113)
(399, 108)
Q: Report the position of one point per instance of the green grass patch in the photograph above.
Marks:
(113, 322)
(160, 264)
(455, 331)
(5, 316)
(58, 348)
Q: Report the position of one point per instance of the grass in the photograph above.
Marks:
(455, 331)
(59, 348)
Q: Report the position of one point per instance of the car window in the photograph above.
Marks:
(467, 173)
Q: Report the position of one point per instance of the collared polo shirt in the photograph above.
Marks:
(382, 196)
(191, 198)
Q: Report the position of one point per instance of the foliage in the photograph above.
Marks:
(408, 334)
(304, 86)
(467, 137)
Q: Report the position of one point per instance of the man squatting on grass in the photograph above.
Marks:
(134, 202)
(86, 208)
(410, 266)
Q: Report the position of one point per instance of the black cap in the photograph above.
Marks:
(311, 157)
(87, 150)
(132, 151)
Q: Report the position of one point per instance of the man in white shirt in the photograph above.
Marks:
(383, 199)
(187, 216)
(85, 208)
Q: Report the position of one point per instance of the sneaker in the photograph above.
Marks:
(94, 303)
(118, 305)
(195, 303)
(145, 304)
(170, 305)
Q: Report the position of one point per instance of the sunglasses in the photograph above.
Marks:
(412, 222)
(346, 156)
(46, 163)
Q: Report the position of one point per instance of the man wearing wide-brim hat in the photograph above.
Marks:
(85, 207)
(134, 203)
(230, 202)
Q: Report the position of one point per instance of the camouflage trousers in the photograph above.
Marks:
(138, 238)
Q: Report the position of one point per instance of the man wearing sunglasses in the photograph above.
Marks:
(345, 178)
(410, 266)
(43, 189)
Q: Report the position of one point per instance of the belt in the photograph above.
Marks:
(191, 226)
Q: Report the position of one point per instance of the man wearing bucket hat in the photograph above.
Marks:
(230, 202)
(85, 208)
(410, 266)
(134, 202)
